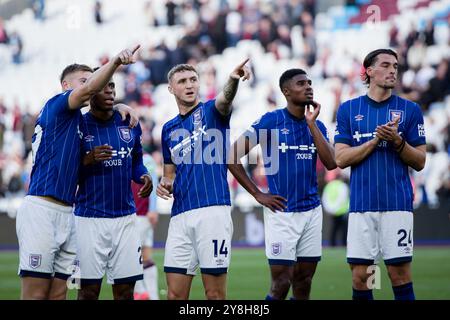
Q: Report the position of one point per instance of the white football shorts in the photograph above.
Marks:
(111, 246)
(46, 235)
(292, 237)
(199, 238)
(373, 235)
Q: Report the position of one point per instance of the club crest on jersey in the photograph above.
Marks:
(125, 134)
(276, 248)
(35, 260)
(197, 117)
(359, 117)
(285, 131)
(393, 114)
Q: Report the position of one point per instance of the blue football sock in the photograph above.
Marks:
(362, 294)
(404, 292)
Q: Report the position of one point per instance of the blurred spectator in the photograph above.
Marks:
(335, 201)
(38, 7)
(233, 28)
(171, 12)
(428, 33)
(131, 88)
(15, 41)
(150, 15)
(98, 12)
(3, 34)
(438, 87)
(28, 122)
(310, 45)
(159, 63)
(393, 36)
(2, 124)
(145, 90)
(266, 32)
(16, 118)
(218, 33)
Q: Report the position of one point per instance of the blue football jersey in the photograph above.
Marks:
(290, 158)
(105, 188)
(381, 181)
(56, 150)
(198, 143)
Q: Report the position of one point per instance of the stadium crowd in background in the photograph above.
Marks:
(209, 27)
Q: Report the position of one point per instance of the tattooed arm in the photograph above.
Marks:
(225, 98)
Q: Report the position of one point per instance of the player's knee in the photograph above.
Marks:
(58, 295)
(124, 295)
(303, 281)
(174, 295)
(35, 295)
(215, 294)
(123, 291)
(399, 275)
(280, 287)
(359, 278)
(88, 293)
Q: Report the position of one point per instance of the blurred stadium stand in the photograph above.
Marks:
(327, 38)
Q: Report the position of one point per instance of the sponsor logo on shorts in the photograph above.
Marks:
(220, 262)
(35, 260)
(276, 248)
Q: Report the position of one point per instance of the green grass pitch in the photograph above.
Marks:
(248, 276)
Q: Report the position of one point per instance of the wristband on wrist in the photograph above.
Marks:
(401, 146)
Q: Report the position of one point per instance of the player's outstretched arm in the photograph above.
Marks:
(98, 80)
(324, 148)
(239, 149)
(165, 187)
(225, 98)
(349, 156)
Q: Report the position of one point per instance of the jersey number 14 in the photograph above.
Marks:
(223, 249)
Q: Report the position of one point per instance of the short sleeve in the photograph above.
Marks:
(343, 133)
(260, 127)
(415, 130)
(56, 107)
(324, 130)
(165, 146)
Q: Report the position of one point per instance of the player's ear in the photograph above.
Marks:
(170, 89)
(369, 71)
(285, 91)
(65, 85)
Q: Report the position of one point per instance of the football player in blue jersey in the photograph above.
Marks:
(105, 214)
(291, 139)
(380, 135)
(44, 221)
(194, 147)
